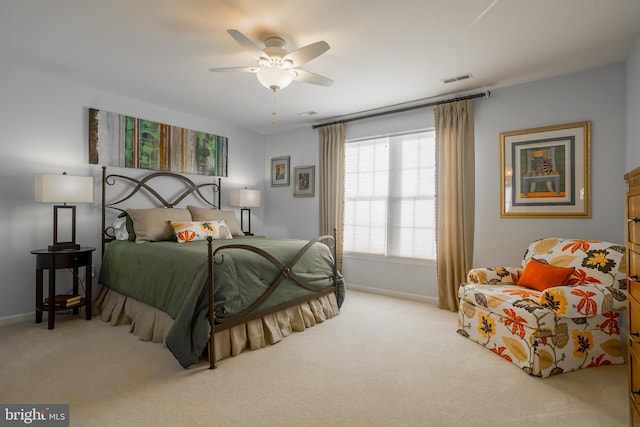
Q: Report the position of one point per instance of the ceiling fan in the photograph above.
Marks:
(277, 67)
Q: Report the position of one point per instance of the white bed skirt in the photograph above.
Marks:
(152, 324)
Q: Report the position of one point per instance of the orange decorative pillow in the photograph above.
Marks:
(541, 276)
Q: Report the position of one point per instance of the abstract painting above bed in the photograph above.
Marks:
(130, 142)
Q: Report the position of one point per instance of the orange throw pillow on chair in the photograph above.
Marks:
(541, 276)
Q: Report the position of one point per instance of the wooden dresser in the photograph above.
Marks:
(633, 285)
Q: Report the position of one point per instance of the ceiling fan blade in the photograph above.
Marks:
(235, 69)
(485, 11)
(313, 78)
(307, 53)
(246, 43)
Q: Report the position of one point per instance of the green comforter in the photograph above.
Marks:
(173, 278)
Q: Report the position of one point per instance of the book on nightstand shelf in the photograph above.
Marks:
(65, 300)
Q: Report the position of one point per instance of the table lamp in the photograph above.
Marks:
(245, 199)
(63, 189)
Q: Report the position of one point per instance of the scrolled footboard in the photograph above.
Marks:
(216, 257)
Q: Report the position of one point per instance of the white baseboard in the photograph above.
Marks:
(395, 294)
(17, 318)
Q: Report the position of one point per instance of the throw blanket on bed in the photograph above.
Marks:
(173, 277)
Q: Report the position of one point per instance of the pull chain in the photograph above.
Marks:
(275, 121)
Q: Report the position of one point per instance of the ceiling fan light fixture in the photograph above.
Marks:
(275, 78)
(277, 67)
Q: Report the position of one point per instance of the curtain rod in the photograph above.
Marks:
(485, 94)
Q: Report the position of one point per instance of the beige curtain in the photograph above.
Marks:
(455, 198)
(332, 184)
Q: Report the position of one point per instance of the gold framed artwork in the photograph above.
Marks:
(545, 172)
(280, 171)
(304, 184)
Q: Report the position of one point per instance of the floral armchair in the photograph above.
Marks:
(558, 312)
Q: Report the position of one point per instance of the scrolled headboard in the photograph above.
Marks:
(149, 186)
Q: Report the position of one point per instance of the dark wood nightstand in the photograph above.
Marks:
(52, 261)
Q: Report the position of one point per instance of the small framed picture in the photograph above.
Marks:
(280, 171)
(304, 184)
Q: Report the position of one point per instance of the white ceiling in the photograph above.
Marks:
(382, 52)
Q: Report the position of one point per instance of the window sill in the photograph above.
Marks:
(391, 260)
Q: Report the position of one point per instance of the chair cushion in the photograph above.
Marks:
(507, 299)
(534, 307)
(540, 276)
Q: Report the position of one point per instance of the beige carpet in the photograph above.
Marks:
(381, 362)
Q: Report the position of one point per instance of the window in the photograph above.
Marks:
(390, 195)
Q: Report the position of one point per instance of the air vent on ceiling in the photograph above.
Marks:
(307, 113)
(457, 78)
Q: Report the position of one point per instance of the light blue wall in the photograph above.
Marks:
(44, 129)
(597, 95)
(287, 216)
(633, 108)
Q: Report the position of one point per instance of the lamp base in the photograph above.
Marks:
(63, 246)
(68, 245)
(246, 232)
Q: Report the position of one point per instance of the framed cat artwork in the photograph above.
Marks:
(545, 172)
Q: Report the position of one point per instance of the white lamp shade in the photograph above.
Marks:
(245, 198)
(275, 78)
(63, 189)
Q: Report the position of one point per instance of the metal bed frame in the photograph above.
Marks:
(216, 257)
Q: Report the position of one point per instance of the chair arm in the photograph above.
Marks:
(494, 275)
(583, 300)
